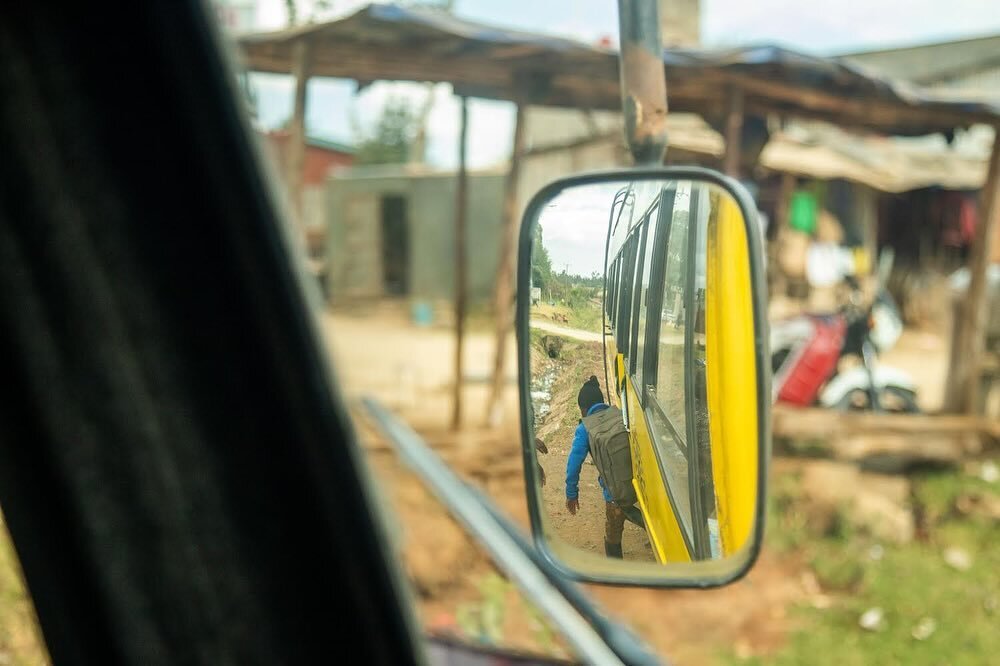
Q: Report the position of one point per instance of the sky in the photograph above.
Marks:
(574, 227)
(575, 222)
(829, 27)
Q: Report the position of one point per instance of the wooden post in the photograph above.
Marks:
(503, 294)
(461, 197)
(296, 148)
(734, 132)
(969, 336)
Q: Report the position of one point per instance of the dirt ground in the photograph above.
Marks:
(585, 530)
(451, 577)
(409, 368)
(447, 569)
(455, 585)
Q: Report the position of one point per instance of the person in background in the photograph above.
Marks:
(591, 401)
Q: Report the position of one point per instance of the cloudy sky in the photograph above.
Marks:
(574, 228)
(828, 27)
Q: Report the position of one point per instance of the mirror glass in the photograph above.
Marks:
(643, 372)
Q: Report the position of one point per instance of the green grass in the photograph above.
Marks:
(586, 318)
(909, 582)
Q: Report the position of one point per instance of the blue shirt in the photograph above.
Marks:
(577, 454)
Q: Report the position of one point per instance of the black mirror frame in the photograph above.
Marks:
(750, 552)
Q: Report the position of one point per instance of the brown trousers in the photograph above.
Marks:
(614, 523)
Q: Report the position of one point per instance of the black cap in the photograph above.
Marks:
(590, 394)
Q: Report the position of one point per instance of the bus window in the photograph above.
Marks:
(653, 302)
(642, 287)
(669, 389)
(665, 405)
(612, 292)
(625, 295)
(636, 279)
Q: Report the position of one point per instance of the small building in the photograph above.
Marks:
(391, 232)
(322, 158)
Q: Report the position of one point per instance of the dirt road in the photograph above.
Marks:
(572, 333)
(378, 351)
(585, 530)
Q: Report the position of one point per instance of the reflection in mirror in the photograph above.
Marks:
(642, 365)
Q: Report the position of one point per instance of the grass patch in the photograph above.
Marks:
(912, 584)
(586, 316)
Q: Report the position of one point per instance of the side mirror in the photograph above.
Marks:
(642, 353)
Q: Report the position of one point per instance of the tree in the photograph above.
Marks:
(292, 9)
(389, 142)
(541, 264)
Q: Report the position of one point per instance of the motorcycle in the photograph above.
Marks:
(807, 350)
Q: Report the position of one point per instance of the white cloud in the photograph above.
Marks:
(574, 227)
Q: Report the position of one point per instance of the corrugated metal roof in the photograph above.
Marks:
(388, 42)
(935, 62)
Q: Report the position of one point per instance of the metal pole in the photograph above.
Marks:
(644, 86)
(461, 196)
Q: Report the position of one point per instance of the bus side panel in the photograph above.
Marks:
(731, 369)
(661, 520)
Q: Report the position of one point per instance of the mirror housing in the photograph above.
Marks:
(701, 516)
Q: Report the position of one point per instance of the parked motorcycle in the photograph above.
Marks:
(806, 353)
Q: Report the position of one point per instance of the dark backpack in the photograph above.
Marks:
(612, 453)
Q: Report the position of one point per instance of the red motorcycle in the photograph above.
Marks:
(806, 354)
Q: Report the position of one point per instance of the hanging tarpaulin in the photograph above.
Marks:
(802, 212)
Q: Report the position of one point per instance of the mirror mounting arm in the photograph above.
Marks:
(643, 84)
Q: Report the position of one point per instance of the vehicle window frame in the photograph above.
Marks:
(699, 521)
(633, 328)
(625, 296)
(658, 269)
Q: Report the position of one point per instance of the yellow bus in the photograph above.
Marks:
(666, 307)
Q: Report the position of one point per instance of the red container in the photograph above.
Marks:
(816, 363)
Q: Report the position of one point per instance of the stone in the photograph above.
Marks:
(872, 619)
(958, 558)
(875, 503)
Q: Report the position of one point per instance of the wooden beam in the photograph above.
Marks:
(734, 132)
(814, 422)
(339, 56)
(969, 335)
(889, 442)
(296, 148)
(461, 198)
(503, 294)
